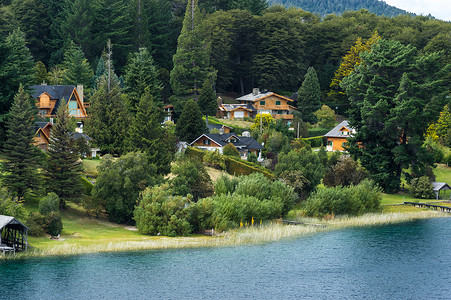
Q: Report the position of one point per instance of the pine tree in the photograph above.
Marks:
(20, 166)
(190, 125)
(207, 99)
(192, 59)
(40, 73)
(78, 70)
(141, 73)
(109, 121)
(62, 170)
(147, 135)
(16, 67)
(309, 96)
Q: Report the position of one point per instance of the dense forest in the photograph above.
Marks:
(324, 8)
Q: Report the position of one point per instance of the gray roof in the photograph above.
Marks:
(8, 220)
(252, 97)
(230, 107)
(438, 186)
(335, 132)
(242, 142)
(57, 92)
(41, 125)
(78, 135)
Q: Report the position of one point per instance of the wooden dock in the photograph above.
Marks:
(446, 209)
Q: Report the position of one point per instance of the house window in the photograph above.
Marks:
(280, 112)
(330, 143)
(207, 142)
(232, 140)
(38, 134)
(73, 108)
(277, 102)
(262, 102)
(42, 112)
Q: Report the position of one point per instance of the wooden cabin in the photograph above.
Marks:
(279, 107)
(42, 135)
(48, 98)
(13, 235)
(337, 138)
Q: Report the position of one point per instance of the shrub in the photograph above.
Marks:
(231, 150)
(240, 167)
(345, 172)
(252, 158)
(37, 223)
(316, 141)
(215, 160)
(87, 185)
(225, 185)
(159, 212)
(11, 206)
(421, 188)
(54, 224)
(49, 203)
(352, 200)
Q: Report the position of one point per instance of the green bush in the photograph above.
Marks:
(231, 150)
(159, 212)
(316, 141)
(421, 188)
(195, 153)
(87, 185)
(54, 224)
(252, 158)
(11, 206)
(317, 131)
(352, 200)
(215, 160)
(240, 167)
(48, 204)
(37, 224)
(225, 185)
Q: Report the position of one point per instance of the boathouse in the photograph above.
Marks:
(13, 235)
(440, 186)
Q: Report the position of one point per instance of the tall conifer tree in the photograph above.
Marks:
(192, 59)
(147, 135)
(190, 125)
(78, 69)
(62, 170)
(20, 167)
(207, 99)
(309, 96)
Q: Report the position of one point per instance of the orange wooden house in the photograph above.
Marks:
(279, 107)
(337, 138)
(48, 98)
(42, 135)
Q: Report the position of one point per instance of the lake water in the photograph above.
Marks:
(408, 261)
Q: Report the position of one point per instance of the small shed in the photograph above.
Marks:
(13, 234)
(440, 186)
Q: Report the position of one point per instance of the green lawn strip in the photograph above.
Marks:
(443, 173)
(90, 167)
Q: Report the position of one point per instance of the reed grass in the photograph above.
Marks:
(249, 235)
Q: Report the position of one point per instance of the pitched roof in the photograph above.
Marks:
(7, 220)
(78, 135)
(57, 92)
(252, 97)
(231, 107)
(241, 142)
(336, 131)
(437, 186)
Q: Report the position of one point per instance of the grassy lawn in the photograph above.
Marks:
(443, 173)
(90, 167)
(239, 123)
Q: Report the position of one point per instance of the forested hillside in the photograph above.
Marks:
(326, 7)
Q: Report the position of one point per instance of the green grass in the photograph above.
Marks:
(443, 173)
(90, 167)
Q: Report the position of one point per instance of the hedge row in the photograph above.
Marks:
(314, 132)
(234, 166)
(316, 141)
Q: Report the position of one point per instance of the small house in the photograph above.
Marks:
(337, 138)
(237, 111)
(13, 235)
(48, 99)
(244, 144)
(279, 107)
(42, 135)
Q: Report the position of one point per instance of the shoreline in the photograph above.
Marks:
(245, 236)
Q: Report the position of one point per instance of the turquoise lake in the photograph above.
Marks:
(407, 261)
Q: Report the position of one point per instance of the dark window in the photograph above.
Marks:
(207, 142)
(277, 102)
(262, 102)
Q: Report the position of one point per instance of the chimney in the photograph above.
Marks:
(80, 92)
(79, 128)
(255, 91)
(221, 130)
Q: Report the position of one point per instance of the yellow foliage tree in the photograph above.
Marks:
(266, 121)
(439, 131)
(349, 62)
